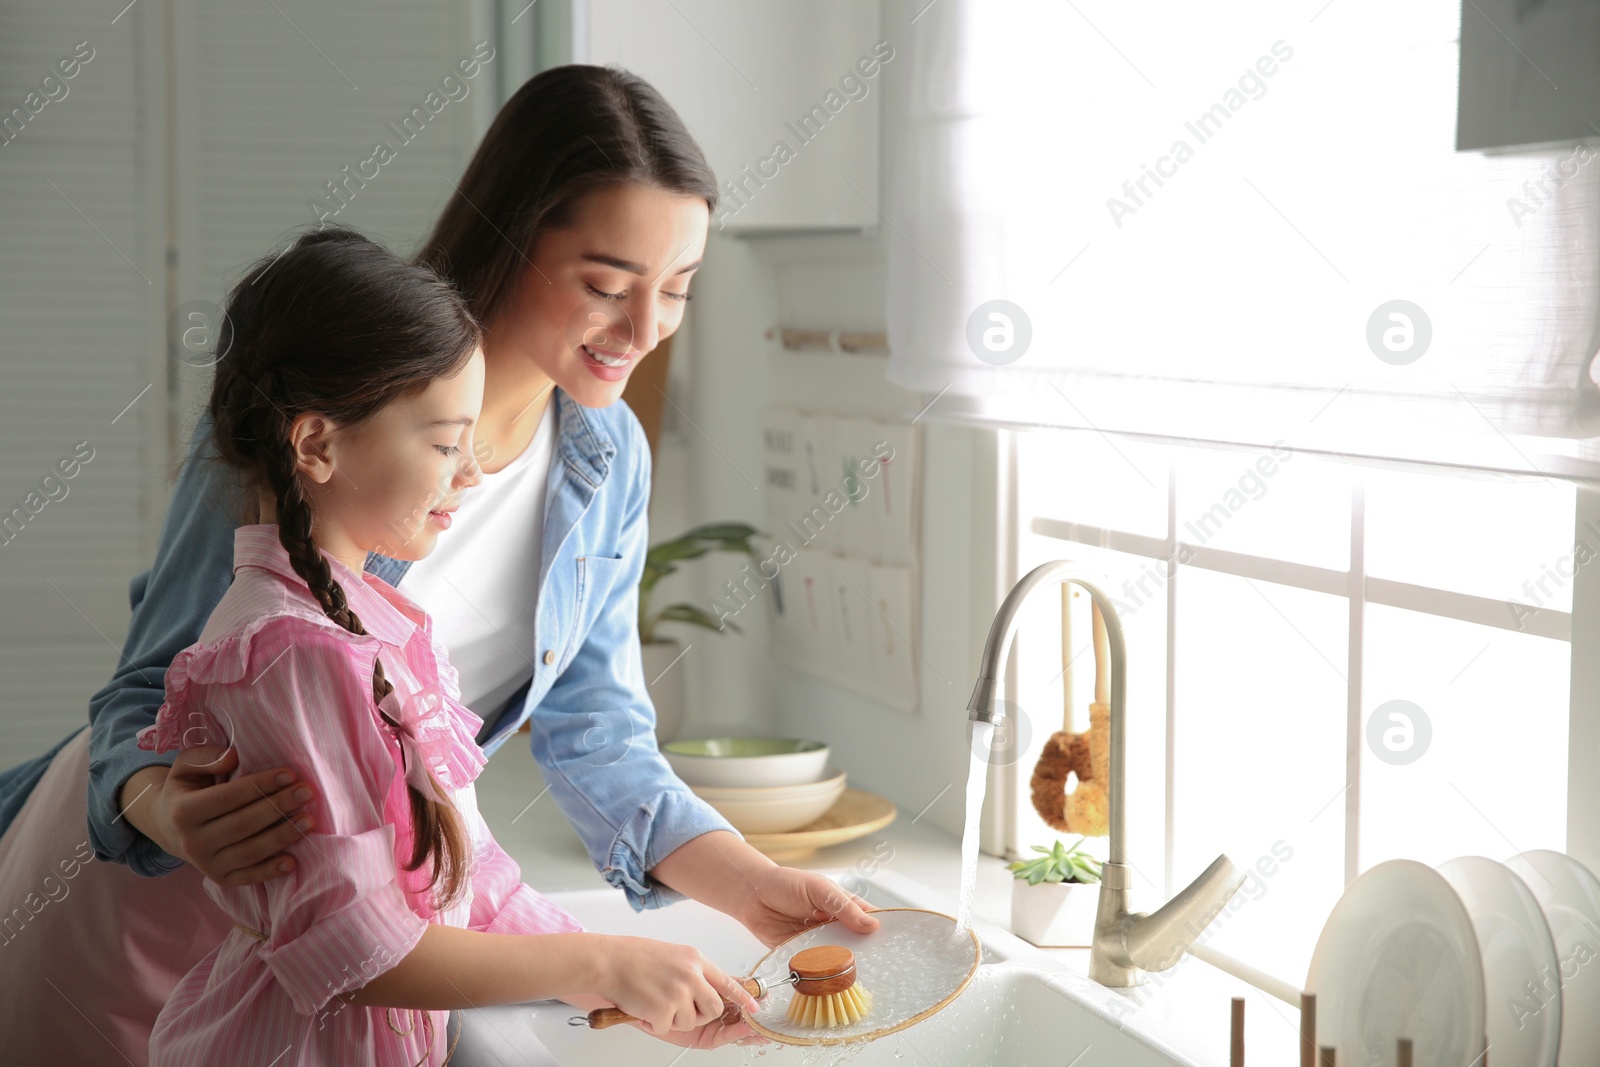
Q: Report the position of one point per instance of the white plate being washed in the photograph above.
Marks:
(1524, 1018)
(1570, 897)
(1398, 958)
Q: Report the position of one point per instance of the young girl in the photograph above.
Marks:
(346, 402)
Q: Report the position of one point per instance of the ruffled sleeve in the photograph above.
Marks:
(222, 662)
(291, 692)
(165, 734)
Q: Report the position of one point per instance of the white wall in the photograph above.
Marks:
(747, 286)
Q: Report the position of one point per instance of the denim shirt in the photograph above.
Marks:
(593, 726)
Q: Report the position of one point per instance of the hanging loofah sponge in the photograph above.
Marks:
(1086, 810)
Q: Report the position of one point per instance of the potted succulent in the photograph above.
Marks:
(1055, 895)
(664, 680)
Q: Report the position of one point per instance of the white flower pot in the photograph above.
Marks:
(666, 690)
(1054, 914)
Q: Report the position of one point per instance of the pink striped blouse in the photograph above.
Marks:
(283, 684)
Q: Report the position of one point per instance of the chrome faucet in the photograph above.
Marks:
(1125, 944)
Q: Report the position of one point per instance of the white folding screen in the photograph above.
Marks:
(187, 140)
(277, 100)
(82, 380)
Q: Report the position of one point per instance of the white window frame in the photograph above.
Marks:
(1580, 627)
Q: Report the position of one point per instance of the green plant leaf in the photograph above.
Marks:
(695, 616)
(672, 551)
(729, 533)
(1059, 863)
(661, 560)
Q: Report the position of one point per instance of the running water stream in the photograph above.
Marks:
(977, 782)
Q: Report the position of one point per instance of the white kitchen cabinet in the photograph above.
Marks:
(784, 98)
(1529, 74)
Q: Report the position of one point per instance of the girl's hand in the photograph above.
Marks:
(671, 990)
(235, 832)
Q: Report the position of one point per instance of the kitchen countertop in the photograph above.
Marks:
(533, 831)
(1187, 1006)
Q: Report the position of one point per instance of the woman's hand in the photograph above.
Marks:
(731, 1029)
(711, 1035)
(773, 902)
(235, 832)
(785, 901)
(671, 989)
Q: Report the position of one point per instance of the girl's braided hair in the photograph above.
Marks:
(338, 326)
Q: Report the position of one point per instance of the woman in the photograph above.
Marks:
(573, 236)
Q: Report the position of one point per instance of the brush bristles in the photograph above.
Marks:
(831, 1011)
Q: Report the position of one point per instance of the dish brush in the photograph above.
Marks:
(826, 993)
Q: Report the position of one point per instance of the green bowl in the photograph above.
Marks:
(747, 762)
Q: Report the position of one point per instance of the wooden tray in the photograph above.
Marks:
(855, 814)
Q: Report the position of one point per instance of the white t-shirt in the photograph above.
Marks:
(481, 582)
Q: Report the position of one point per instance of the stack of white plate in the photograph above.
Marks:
(1569, 898)
(762, 785)
(1474, 955)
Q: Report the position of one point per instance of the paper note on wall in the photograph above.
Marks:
(857, 467)
(894, 658)
(895, 503)
(782, 468)
(853, 620)
(841, 503)
(788, 628)
(809, 521)
(808, 590)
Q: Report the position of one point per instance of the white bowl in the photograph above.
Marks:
(831, 782)
(745, 762)
(774, 810)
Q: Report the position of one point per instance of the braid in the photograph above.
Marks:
(429, 818)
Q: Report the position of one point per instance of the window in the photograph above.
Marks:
(1335, 663)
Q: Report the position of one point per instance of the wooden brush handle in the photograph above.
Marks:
(1102, 654)
(601, 1018)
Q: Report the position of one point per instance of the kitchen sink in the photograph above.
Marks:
(1020, 1009)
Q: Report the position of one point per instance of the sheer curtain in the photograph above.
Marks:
(1244, 225)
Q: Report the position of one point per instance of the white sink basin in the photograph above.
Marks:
(1017, 1012)
(1009, 1015)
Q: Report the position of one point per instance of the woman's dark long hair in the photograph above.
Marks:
(339, 327)
(567, 131)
